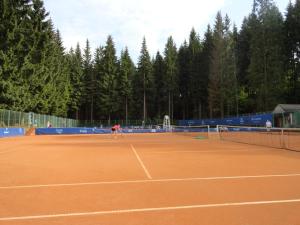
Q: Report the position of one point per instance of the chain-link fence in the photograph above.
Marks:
(123, 123)
(9, 118)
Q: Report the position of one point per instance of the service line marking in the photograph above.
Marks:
(150, 181)
(141, 162)
(119, 211)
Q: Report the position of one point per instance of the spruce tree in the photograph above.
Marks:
(143, 85)
(184, 80)
(108, 90)
(266, 61)
(89, 84)
(292, 52)
(171, 74)
(160, 90)
(124, 84)
(216, 92)
(76, 82)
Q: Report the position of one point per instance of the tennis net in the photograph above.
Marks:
(198, 132)
(285, 138)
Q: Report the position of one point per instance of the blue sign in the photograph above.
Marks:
(11, 132)
(251, 120)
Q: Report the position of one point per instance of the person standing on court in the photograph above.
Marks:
(268, 125)
(49, 124)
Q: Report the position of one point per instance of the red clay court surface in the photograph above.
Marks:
(146, 179)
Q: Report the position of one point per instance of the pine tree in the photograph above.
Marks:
(124, 83)
(98, 74)
(15, 31)
(143, 85)
(76, 82)
(246, 104)
(216, 92)
(184, 79)
(266, 61)
(292, 52)
(160, 90)
(89, 84)
(205, 59)
(171, 74)
(108, 80)
(195, 49)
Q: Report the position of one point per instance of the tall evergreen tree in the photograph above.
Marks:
(89, 83)
(160, 90)
(266, 61)
(292, 52)
(195, 49)
(108, 80)
(143, 84)
(124, 83)
(171, 74)
(76, 81)
(184, 79)
(98, 71)
(205, 59)
(216, 92)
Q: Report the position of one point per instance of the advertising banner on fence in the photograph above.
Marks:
(251, 120)
(11, 132)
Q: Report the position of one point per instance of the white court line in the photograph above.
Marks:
(150, 181)
(119, 211)
(141, 162)
(204, 151)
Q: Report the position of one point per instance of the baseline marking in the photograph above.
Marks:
(141, 162)
(203, 151)
(150, 209)
(148, 181)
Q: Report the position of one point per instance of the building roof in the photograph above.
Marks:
(286, 108)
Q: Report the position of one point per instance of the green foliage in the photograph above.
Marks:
(143, 85)
(227, 72)
(170, 77)
(124, 84)
(108, 88)
(292, 52)
(266, 58)
(159, 86)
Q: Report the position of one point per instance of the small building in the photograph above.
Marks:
(286, 115)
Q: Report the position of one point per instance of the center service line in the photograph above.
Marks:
(141, 162)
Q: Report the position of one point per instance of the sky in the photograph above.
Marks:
(128, 21)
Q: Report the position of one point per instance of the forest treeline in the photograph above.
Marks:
(224, 72)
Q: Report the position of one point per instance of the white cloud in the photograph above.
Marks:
(128, 21)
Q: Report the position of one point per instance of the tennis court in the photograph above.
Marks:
(148, 179)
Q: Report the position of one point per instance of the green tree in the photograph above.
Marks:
(76, 81)
(160, 90)
(266, 61)
(171, 74)
(216, 92)
(205, 59)
(124, 83)
(108, 79)
(292, 52)
(143, 84)
(89, 83)
(184, 79)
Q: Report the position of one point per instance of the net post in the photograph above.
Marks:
(208, 131)
(282, 139)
